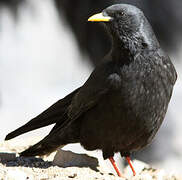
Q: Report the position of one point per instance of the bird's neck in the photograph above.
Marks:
(124, 49)
(127, 48)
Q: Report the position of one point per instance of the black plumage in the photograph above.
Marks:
(123, 103)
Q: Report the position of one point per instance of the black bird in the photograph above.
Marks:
(123, 103)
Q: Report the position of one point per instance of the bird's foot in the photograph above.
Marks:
(115, 167)
(131, 166)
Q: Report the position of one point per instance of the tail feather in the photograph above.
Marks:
(32, 125)
(49, 116)
(59, 136)
(43, 147)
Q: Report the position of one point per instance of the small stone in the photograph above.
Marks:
(72, 176)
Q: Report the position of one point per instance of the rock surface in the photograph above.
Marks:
(73, 166)
(70, 159)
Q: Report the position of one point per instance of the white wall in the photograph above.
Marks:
(39, 63)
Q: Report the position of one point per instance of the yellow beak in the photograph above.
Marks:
(99, 18)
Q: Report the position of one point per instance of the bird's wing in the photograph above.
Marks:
(49, 116)
(89, 95)
(85, 98)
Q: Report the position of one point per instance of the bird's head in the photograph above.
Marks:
(126, 22)
(120, 18)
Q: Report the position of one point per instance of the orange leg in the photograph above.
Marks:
(115, 167)
(131, 166)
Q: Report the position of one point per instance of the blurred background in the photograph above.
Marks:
(47, 49)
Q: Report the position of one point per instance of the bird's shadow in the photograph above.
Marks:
(10, 160)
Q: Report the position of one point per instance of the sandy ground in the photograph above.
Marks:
(13, 167)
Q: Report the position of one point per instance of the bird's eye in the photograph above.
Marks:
(121, 13)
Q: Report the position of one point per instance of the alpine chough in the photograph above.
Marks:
(123, 103)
